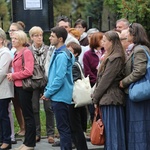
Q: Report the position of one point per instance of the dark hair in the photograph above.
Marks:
(63, 18)
(95, 40)
(76, 47)
(60, 32)
(81, 22)
(139, 34)
(19, 24)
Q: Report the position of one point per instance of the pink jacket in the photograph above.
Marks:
(19, 72)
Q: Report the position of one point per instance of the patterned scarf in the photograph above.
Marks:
(39, 54)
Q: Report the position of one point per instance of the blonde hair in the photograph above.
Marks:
(22, 37)
(35, 30)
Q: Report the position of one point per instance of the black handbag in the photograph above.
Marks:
(37, 80)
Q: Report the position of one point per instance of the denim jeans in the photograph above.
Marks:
(5, 128)
(61, 112)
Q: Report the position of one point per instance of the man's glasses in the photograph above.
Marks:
(130, 25)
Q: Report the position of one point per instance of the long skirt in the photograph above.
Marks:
(138, 125)
(114, 122)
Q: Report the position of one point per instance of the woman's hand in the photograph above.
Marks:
(95, 106)
(9, 77)
(121, 85)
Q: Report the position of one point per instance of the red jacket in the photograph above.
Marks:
(19, 72)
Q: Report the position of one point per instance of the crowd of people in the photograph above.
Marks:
(112, 60)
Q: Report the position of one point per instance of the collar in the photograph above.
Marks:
(60, 48)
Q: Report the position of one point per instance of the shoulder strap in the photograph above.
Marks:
(82, 75)
(148, 56)
(23, 59)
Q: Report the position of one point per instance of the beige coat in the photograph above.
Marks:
(135, 66)
(6, 87)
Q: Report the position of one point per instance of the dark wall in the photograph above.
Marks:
(42, 18)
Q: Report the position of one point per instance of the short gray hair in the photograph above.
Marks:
(92, 30)
(2, 34)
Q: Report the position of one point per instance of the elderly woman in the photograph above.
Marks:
(19, 41)
(7, 93)
(40, 50)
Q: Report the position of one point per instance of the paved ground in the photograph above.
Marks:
(44, 145)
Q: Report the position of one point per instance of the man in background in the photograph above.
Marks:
(122, 24)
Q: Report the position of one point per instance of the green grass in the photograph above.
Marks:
(43, 123)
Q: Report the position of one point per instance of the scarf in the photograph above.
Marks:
(39, 54)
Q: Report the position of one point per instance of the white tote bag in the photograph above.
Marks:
(82, 91)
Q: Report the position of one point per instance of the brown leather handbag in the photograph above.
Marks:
(97, 132)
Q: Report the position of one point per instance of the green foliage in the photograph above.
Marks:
(94, 9)
(4, 15)
(133, 10)
(73, 9)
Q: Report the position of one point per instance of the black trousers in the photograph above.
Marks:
(5, 128)
(27, 111)
(76, 127)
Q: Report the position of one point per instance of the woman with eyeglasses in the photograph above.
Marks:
(15, 26)
(81, 26)
(137, 113)
(40, 50)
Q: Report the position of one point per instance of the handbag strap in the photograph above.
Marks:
(97, 112)
(23, 59)
(82, 75)
(148, 56)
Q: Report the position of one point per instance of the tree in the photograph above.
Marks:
(134, 10)
(94, 9)
(74, 9)
(4, 15)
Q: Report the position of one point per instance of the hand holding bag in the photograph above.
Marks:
(140, 90)
(82, 91)
(97, 132)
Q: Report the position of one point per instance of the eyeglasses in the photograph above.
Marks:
(38, 35)
(130, 25)
(79, 27)
(11, 30)
(121, 39)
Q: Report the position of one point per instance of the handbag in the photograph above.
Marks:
(97, 135)
(140, 90)
(37, 80)
(82, 90)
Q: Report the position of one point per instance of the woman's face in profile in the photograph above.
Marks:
(15, 41)
(12, 29)
(106, 43)
(130, 37)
